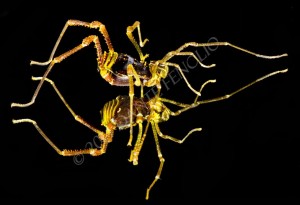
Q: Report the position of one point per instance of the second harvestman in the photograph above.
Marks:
(116, 114)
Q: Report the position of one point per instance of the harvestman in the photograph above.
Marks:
(117, 112)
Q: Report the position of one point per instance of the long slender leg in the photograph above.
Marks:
(161, 159)
(183, 76)
(86, 41)
(137, 46)
(173, 138)
(174, 53)
(71, 22)
(195, 44)
(179, 104)
(65, 152)
(203, 85)
(76, 117)
(102, 136)
(180, 52)
(224, 97)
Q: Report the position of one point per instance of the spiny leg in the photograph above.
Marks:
(65, 152)
(161, 159)
(138, 144)
(195, 44)
(137, 46)
(71, 22)
(86, 41)
(131, 72)
(224, 97)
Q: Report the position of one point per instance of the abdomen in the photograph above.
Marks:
(117, 111)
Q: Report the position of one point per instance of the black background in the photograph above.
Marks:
(248, 148)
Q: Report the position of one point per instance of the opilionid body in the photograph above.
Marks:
(121, 69)
(118, 113)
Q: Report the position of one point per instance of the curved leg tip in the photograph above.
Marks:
(40, 63)
(21, 105)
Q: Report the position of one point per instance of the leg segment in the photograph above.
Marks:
(138, 145)
(86, 41)
(172, 138)
(65, 152)
(137, 46)
(161, 159)
(179, 104)
(139, 141)
(203, 85)
(194, 44)
(174, 53)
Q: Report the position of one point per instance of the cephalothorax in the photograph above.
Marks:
(121, 69)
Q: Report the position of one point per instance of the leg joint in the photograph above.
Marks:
(96, 24)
